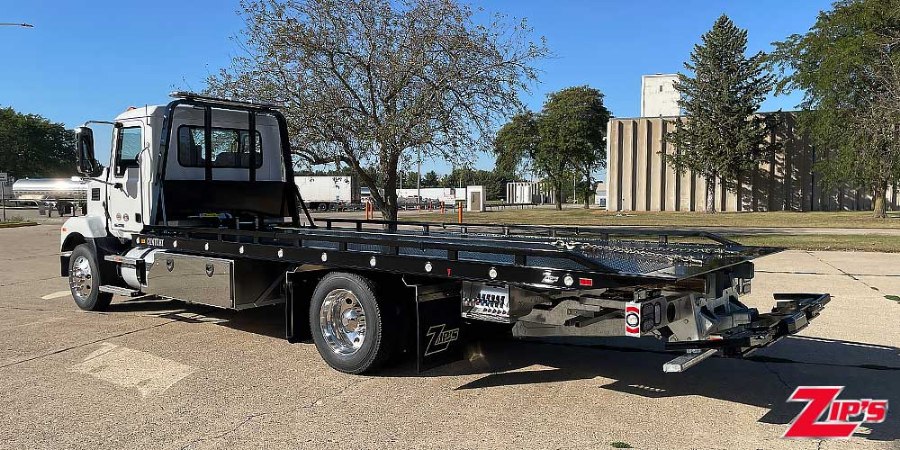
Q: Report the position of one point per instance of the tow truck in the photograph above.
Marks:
(198, 203)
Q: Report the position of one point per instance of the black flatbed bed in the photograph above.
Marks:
(526, 254)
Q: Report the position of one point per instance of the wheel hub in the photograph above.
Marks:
(80, 278)
(350, 320)
(343, 322)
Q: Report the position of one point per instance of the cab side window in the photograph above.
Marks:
(129, 144)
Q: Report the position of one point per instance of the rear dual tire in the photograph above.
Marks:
(353, 329)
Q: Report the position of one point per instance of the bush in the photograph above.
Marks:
(14, 219)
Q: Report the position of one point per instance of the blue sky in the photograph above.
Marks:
(91, 60)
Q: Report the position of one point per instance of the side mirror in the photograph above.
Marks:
(86, 163)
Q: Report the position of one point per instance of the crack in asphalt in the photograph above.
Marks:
(29, 256)
(97, 341)
(19, 308)
(774, 360)
(227, 432)
(754, 358)
(852, 275)
(73, 347)
(253, 416)
(777, 375)
(842, 271)
(29, 281)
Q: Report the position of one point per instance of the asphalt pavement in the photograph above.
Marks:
(169, 375)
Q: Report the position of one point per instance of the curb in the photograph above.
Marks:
(17, 224)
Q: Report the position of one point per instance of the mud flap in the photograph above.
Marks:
(439, 325)
(298, 291)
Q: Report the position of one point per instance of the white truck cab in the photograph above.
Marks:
(124, 195)
(187, 163)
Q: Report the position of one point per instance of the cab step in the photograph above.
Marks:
(123, 291)
(124, 260)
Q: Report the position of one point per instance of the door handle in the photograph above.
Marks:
(118, 186)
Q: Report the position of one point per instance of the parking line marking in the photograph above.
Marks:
(129, 368)
(57, 294)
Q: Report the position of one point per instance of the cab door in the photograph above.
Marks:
(124, 189)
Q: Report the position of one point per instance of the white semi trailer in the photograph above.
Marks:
(328, 192)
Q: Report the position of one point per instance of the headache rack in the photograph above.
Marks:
(529, 254)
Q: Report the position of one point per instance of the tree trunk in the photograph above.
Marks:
(711, 195)
(880, 201)
(386, 203)
(587, 195)
(390, 206)
(588, 191)
(559, 187)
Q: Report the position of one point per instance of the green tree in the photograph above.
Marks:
(411, 179)
(516, 142)
(848, 67)
(495, 184)
(430, 179)
(32, 146)
(572, 130)
(493, 181)
(447, 180)
(721, 136)
(369, 81)
(567, 138)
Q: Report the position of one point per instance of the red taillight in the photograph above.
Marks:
(585, 282)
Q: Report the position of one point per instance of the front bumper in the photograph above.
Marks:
(792, 313)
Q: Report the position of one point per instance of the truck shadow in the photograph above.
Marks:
(765, 379)
(634, 367)
(265, 321)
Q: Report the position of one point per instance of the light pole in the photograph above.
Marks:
(574, 188)
(11, 24)
(419, 179)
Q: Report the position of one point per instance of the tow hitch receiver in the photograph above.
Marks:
(792, 312)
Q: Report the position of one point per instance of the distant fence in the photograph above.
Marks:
(640, 179)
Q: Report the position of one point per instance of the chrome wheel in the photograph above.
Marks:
(80, 278)
(343, 322)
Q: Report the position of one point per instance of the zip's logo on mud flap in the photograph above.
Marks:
(438, 339)
(841, 417)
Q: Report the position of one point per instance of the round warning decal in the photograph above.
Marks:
(632, 319)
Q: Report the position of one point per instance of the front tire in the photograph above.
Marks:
(350, 326)
(84, 280)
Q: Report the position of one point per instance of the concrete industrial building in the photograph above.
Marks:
(658, 96)
(640, 179)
